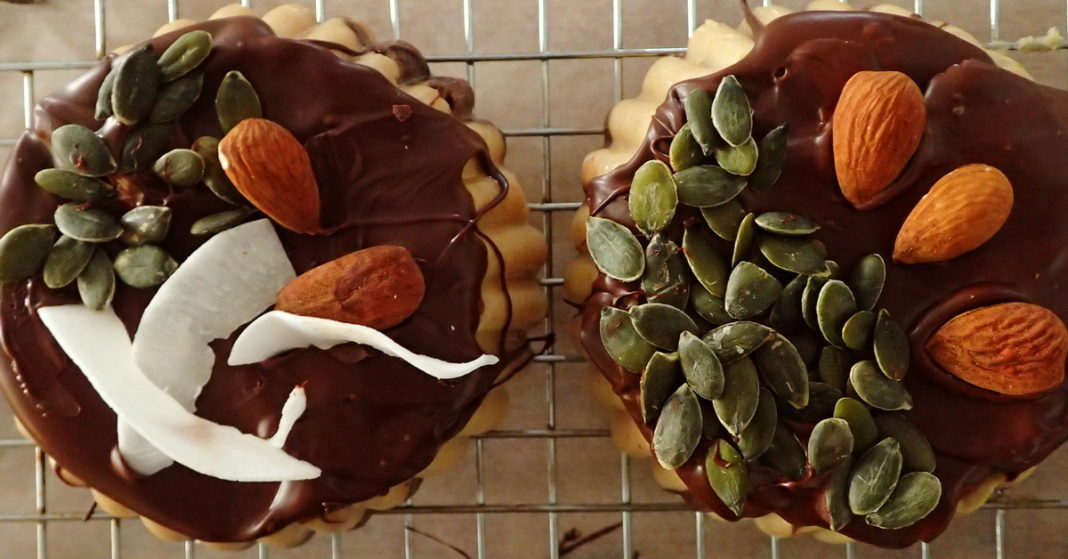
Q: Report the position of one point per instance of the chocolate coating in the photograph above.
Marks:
(372, 421)
(977, 113)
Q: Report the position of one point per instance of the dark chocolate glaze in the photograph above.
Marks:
(977, 113)
(372, 421)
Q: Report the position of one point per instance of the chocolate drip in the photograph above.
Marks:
(977, 113)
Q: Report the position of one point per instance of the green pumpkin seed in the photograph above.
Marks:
(708, 306)
(66, 261)
(786, 313)
(750, 291)
(877, 390)
(874, 477)
(144, 266)
(135, 87)
(236, 100)
(698, 106)
(833, 269)
(830, 445)
(146, 225)
(731, 114)
(800, 256)
(737, 405)
(23, 251)
(728, 475)
(219, 222)
(809, 298)
(834, 307)
(185, 54)
(772, 156)
(916, 496)
(176, 98)
(891, 347)
(72, 186)
(861, 424)
(666, 279)
(736, 340)
(738, 160)
(86, 224)
(103, 95)
(790, 225)
(685, 152)
(856, 332)
(660, 379)
(678, 431)
(808, 346)
(701, 367)
(915, 449)
(661, 325)
(622, 342)
(834, 366)
(706, 263)
(214, 176)
(785, 456)
(143, 146)
(836, 496)
(78, 149)
(744, 239)
(821, 400)
(652, 197)
(755, 439)
(783, 370)
(614, 249)
(705, 186)
(96, 284)
(180, 167)
(867, 280)
(724, 220)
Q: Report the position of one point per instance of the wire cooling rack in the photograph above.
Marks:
(478, 510)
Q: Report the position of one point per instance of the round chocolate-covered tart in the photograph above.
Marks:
(261, 277)
(820, 285)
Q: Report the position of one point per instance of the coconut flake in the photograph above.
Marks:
(291, 412)
(277, 332)
(97, 342)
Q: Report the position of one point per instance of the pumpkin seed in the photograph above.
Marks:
(861, 423)
(236, 100)
(614, 249)
(830, 445)
(78, 149)
(144, 145)
(219, 222)
(724, 220)
(96, 284)
(66, 261)
(833, 269)
(834, 366)
(184, 54)
(737, 405)
(856, 332)
(701, 367)
(144, 266)
(176, 98)
(821, 400)
(698, 108)
(23, 251)
(660, 379)
(772, 156)
(622, 342)
(877, 390)
(836, 496)
(652, 197)
(874, 477)
(708, 306)
(800, 256)
(891, 346)
(728, 475)
(103, 95)
(916, 451)
(738, 160)
(783, 370)
(678, 431)
(214, 176)
(808, 347)
(706, 263)
(785, 456)
(685, 152)
(86, 224)
(180, 167)
(731, 114)
(666, 279)
(744, 239)
(916, 496)
(72, 186)
(867, 280)
(834, 307)
(661, 325)
(736, 340)
(134, 90)
(146, 225)
(782, 223)
(705, 186)
(755, 439)
(750, 291)
(809, 298)
(786, 313)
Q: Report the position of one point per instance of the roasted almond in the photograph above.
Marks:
(1011, 348)
(877, 126)
(963, 210)
(273, 171)
(379, 287)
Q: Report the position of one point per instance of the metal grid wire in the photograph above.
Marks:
(549, 435)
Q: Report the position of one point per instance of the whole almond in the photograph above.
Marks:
(877, 126)
(963, 210)
(379, 287)
(273, 171)
(1011, 348)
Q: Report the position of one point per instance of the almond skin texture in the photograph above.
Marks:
(1016, 349)
(379, 287)
(877, 126)
(963, 210)
(273, 171)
